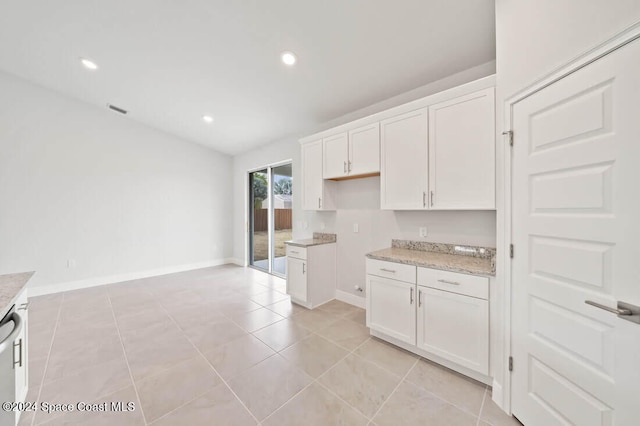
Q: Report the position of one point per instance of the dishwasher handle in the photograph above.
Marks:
(17, 328)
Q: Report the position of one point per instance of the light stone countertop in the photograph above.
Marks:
(435, 260)
(318, 238)
(11, 285)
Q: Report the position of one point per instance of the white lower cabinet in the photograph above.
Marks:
(21, 365)
(297, 278)
(311, 274)
(438, 314)
(455, 327)
(391, 308)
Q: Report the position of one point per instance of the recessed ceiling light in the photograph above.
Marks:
(207, 118)
(89, 64)
(289, 58)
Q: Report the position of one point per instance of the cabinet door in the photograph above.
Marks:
(335, 156)
(364, 150)
(312, 175)
(391, 308)
(22, 372)
(403, 171)
(454, 327)
(462, 152)
(297, 278)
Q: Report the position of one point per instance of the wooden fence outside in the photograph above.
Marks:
(282, 219)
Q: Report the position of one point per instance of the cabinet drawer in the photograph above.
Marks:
(395, 271)
(297, 252)
(469, 285)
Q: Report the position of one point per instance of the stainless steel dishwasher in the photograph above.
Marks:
(11, 354)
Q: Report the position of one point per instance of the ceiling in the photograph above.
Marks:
(170, 62)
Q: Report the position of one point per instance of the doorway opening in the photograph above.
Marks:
(270, 217)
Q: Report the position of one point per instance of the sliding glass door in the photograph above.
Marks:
(258, 219)
(270, 217)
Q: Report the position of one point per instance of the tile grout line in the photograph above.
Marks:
(212, 367)
(46, 367)
(333, 366)
(395, 389)
(484, 398)
(441, 398)
(126, 359)
(315, 380)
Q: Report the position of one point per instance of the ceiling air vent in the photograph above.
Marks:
(116, 109)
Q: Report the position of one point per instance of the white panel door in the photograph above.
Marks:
(335, 156)
(297, 278)
(576, 232)
(391, 308)
(403, 156)
(312, 175)
(364, 150)
(462, 152)
(455, 327)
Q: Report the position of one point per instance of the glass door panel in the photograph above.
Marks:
(281, 209)
(259, 219)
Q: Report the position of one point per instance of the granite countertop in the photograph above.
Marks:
(446, 257)
(318, 238)
(11, 286)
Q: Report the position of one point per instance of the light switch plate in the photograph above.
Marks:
(355, 227)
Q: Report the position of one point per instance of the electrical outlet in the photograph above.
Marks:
(355, 227)
(423, 231)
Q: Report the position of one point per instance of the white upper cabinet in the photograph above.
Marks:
(352, 153)
(403, 171)
(434, 153)
(462, 152)
(336, 156)
(317, 194)
(364, 150)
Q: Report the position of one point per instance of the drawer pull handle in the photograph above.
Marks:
(411, 296)
(388, 270)
(449, 282)
(293, 251)
(419, 298)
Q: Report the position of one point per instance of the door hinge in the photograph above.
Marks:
(510, 134)
(510, 363)
(511, 251)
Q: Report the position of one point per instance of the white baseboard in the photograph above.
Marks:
(351, 299)
(110, 279)
(236, 261)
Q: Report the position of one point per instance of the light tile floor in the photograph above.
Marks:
(225, 346)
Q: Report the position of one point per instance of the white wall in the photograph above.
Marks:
(536, 37)
(359, 200)
(120, 199)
